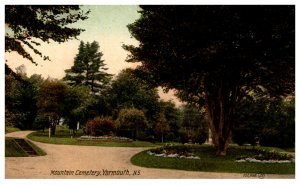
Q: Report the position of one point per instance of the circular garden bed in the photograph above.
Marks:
(173, 152)
(105, 138)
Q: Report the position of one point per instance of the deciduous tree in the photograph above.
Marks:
(216, 55)
(51, 101)
(161, 127)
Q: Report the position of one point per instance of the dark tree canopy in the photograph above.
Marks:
(184, 45)
(28, 25)
(216, 55)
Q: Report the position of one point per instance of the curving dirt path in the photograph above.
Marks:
(70, 161)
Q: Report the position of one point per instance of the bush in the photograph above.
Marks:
(171, 136)
(184, 137)
(271, 121)
(170, 149)
(200, 136)
(100, 126)
(197, 136)
(269, 137)
(132, 122)
(243, 135)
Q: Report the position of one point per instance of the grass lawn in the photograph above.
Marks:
(63, 136)
(210, 163)
(11, 129)
(12, 149)
(38, 150)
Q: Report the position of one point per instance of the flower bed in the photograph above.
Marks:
(253, 160)
(263, 156)
(104, 138)
(173, 151)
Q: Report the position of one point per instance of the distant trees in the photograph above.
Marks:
(51, 101)
(57, 100)
(269, 121)
(135, 106)
(77, 101)
(173, 117)
(194, 127)
(36, 103)
(20, 99)
(88, 69)
(127, 91)
(28, 25)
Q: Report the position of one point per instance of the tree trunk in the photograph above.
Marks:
(220, 105)
(74, 130)
(133, 133)
(53, 129)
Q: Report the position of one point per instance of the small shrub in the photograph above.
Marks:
(171, 137)
(267, 155)
(100, 126)
(181, 150)
(184, 137)
(243, 135)
(196, 136)
(269, 137)
(200, 136)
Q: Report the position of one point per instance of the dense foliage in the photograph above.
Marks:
(127, 91)
(216, 55)
(269, 123)
(20, 98)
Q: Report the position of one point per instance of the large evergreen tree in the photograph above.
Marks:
(216, 55)
(88, 68)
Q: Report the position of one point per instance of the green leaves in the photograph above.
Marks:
(132, 119)
(88, 68)
(44, 23)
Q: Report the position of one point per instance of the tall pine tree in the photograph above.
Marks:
(88, 68)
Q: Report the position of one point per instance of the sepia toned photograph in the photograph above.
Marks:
(149, 91)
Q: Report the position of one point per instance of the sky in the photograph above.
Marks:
(107, 24)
